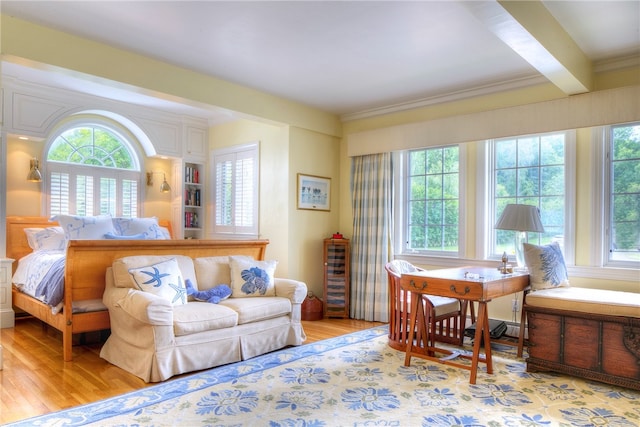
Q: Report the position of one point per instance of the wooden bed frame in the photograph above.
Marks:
(86, 264)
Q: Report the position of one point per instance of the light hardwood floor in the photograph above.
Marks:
(35, 379)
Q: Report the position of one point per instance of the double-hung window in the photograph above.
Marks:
(432, 195)
(235, 190)
(621, 195)
(92, 170)
(532, 170)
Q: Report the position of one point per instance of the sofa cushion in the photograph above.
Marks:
(212, 271)
(163, 279)
(195, 317)
(255, 309)
(251, 278)
(546, 266)
(121, 268)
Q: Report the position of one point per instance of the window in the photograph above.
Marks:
(529, 170)
(622, 195)
(236, 190)
(92, 170)
(433, 200)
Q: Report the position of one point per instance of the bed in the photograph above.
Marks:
(85, 264)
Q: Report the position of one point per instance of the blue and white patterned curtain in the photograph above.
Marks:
(371, 244)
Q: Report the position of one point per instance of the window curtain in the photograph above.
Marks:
(371, 243)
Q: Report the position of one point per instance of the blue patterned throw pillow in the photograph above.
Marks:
(252, 278)
(546, 266)
(163, 279)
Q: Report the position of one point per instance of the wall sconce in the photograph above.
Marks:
(34, 171)
(164, 187)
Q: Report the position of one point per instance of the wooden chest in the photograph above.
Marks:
(592, 346)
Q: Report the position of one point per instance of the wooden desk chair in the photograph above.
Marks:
(446, 317)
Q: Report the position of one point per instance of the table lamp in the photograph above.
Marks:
(521, 219)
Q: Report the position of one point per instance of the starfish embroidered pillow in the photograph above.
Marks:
(251, 278)
(163, 279)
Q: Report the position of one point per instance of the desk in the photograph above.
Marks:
(458, 283)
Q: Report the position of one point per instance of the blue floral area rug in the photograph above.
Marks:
(358, 380)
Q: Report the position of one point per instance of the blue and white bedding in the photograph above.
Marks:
(41, 275)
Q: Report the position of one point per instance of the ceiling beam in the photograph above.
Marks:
(532, 32)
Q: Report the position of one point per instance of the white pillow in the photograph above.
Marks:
(163, 279)
(212, 271)
(252, 278)
(546, 266)
(46, 239)
(85, 227)
(139, 226)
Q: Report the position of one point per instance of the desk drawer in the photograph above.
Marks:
(443, 287)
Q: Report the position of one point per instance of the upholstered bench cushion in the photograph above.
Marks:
(254, 309)
(196, 317)
(585, 300)
(443, 305)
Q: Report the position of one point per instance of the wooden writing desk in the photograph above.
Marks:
(463, 284)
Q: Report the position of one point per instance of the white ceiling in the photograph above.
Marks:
(347, 57)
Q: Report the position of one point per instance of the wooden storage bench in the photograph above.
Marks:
(588, 333)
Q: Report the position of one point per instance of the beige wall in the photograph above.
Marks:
(274, 180)
(312, 153)
(295, 235)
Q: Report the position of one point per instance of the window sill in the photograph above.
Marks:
(622, 274)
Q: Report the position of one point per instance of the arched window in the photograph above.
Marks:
(92, 169)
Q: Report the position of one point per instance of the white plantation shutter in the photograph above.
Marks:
(129, 198)
(59, 193)
(244, 190)
(84, 195)
(107, 196)
(236, 190)
(93, 194)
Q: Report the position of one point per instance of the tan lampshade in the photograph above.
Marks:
(520, 218)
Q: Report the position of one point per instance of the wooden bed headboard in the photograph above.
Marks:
(17, 245)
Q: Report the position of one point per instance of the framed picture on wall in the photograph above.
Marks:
(314, 192)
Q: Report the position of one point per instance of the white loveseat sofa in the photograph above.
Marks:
(155, 339)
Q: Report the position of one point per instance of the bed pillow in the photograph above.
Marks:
(85, 227)
(46, 239)
(163, 279)
(135, 226)
(546, 266)
(252, 278)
